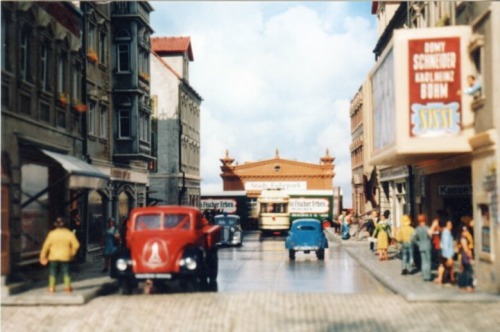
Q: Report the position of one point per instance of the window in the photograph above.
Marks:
(91, 40)
(102, 47)
(5, 45)
(144, 126)
(91, 118)
(25, 103)
(124, 123)
(75, 83)
(176, 220)
(61, 119)
(123, 58)
(44, 67)
(44, 112)
(5, 95)
(61, 72)
(25, 51)
(148, 222)
(103, 122)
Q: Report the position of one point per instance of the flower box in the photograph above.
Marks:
(144, 76)
(92, 55)
(62, 99)
(80, 108)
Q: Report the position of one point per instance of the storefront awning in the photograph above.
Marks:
(81, 174)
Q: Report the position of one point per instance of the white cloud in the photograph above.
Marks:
(273, 75)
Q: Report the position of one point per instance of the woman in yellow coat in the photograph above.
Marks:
(382, 230)
(59, 248)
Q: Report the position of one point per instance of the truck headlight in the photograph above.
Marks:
(189, 263)
(121, 264)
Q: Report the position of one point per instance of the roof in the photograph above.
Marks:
(172, 45)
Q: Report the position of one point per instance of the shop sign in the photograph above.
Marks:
(226, 205)
(434, 83)
(455, 190)
(284, 185)
(309, 205)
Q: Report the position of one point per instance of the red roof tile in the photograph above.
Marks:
(166, 45)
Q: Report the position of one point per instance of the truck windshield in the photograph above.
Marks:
(147, 222)
(176, 221)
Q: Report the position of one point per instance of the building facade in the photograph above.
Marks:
(433, 120)
(76, 133)
(176, 177)
(45, 170)
(286, 174)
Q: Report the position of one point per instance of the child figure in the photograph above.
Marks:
(403, 237)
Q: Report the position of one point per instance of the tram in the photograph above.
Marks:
(274, 214)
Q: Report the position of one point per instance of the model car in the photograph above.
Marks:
(306, 235)
(231, 232)
(164, 243)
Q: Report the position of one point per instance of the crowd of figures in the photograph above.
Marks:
(441, 245)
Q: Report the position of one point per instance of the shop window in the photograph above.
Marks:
(35, 215)
(96, 218)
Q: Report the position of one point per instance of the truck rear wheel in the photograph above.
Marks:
(320, 254)
(291, 254)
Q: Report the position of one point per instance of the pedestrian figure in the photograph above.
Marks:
(403, 237)
(111, 243)
(436, 226)
(370, 228)
(58, 250)
(445, 270)
(381, 233)
(76, 227)
(345, 226)
(422, 237)
(466, 277)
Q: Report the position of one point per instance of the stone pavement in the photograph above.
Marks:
(411, 287)
(89, 282)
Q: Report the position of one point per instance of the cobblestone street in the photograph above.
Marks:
(261, 311)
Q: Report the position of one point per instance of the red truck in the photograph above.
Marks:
(165, 243)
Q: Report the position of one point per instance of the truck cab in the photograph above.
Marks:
(164, 243)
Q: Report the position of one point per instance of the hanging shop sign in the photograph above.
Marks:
(418, 112)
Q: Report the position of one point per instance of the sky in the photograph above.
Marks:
(273, 75)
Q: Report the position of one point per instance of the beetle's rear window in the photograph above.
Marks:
(176, 221)
(306, 228)
(147, 222)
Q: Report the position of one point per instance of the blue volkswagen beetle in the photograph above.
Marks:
(306, 235)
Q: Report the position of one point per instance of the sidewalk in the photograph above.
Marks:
(88, 282)
(411, 287)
